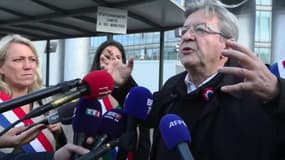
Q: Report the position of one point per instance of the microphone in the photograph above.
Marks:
(113, 124)
(175, 134)
(86, 120)
(29, 98)
(51, 119)
(66, 112)
(64, 115)
(96, 84)
(137, 106)
(138, 103)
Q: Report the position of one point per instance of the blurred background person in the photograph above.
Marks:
(19, 76)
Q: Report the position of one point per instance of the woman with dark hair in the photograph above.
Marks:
(110, 56)
(96, 63)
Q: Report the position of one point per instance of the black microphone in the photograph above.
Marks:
(66, 112)
(64, 115)
(52, 119)
(176, 135)
(86, 120)
(113, 124)
(29, 98)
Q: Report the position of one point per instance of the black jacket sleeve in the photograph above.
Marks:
(276, 110)
(121, 92)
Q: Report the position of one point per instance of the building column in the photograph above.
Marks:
(76, 58)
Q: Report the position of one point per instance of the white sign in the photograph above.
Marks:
(112, 20)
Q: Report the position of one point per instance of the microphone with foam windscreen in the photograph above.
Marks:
(176, 135)
(137, 106)
(52, 119)
(113, 124)
(65, 112)
(64, 115)
(138, 102)
(86, 120)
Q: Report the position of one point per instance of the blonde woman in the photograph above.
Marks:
(19, 75)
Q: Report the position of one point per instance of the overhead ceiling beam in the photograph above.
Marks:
(10, 30)
(70, 36)
(59, 24)
(43, 17)
(48, 5)
(60, 14)
(58, 9)
(28, 26)
(10, 11)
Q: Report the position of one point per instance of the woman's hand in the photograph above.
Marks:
(66, 152)
(120, 72)
(20, 135)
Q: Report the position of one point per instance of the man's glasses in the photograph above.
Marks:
(202, 29)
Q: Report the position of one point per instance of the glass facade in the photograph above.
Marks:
(263, 30)
(263, 2)
(142, 46)
(263, 26)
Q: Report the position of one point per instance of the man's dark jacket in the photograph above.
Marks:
(235, 126)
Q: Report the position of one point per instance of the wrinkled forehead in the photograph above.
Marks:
(14, 46)
(201, 16)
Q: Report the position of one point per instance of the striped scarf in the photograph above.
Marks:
(40, 144)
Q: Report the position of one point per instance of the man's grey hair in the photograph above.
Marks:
(228, 21)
